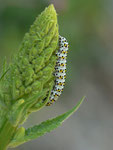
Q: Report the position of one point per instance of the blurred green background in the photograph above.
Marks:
(88, 26)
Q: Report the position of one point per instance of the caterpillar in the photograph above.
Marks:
(60, 71)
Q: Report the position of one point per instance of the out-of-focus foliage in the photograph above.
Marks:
(15, 20)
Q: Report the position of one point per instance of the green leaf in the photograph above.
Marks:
(45, 127)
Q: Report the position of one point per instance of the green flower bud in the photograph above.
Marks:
(33, 66)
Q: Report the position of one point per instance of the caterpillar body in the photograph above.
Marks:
(60, 71)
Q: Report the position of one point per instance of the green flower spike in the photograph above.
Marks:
(26, 84)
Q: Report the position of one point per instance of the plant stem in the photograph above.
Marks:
(6, 133)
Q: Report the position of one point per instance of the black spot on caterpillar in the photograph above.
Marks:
(60, 70)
